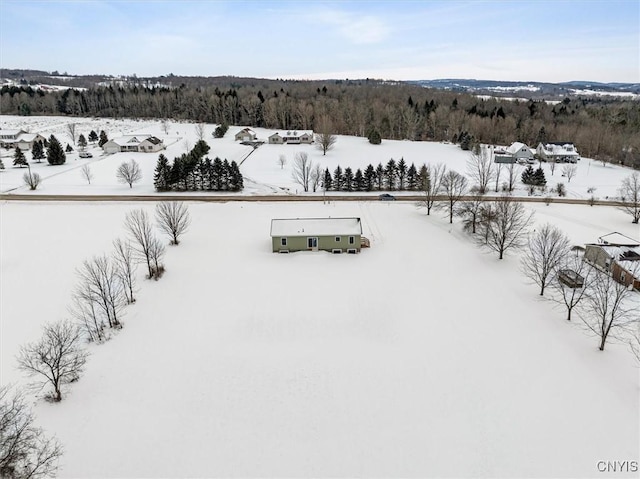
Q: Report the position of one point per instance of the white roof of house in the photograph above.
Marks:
(291, 134)
(617, 239)
(315, 226)
(28, 136)
(515, 147)
(131, 139)
(246, 130)
(562, 149)
(10, 132)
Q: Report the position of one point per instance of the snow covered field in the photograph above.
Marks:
(420, 357)
(262, 171)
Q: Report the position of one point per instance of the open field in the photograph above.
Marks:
(420, 357)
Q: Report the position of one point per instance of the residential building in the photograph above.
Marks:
(141, 143)
(246, 134)
(336, 235)
(618, 255)
(560, 152)
(291, 138)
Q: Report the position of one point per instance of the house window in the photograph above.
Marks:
(337, 239)
(622, 276)
(283, 241)
(352, 240)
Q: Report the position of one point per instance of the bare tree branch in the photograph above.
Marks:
(129, 173)
(547, 248)
(173, 218)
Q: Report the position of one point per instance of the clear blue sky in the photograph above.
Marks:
(596, 40)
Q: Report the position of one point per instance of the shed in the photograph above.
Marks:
(336, 235)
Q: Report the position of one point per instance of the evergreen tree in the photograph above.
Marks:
(162, 175)
(327, 180)
(539, 178)
(528, 176)
(390, 173)
(200, 149)
(68, 149)
(412, 178)
(19, 159)
(358, 180)
(103, 138)
(542, 136)
(369, 178)
(374, 137)
(82, 141)
(37, 151)
(348, 179)
(217, 175)
(226, 175)
(423, 177)
(55, 153)
(220, 130)
(93, 136)
(206, 172)
(338, 179)
(402, 174)
(379, 177)
(465, 141)
(237, 182)
(1, 164)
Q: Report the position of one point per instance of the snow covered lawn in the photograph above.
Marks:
(261, 168)
(420, 357)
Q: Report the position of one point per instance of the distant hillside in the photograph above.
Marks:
(532, 89)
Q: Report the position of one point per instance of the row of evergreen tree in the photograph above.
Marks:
(534, 177)
(194, 172)
(393, 176)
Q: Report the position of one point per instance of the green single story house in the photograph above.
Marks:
(336, 235)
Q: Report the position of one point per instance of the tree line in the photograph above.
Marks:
(601, 128)
(193, 171)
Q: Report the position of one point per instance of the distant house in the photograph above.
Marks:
(336, 235)
(559, 152)
(291, 138)
(618, 255)
(134, 143)
(246, 134)
(19, 138)
(517, 152)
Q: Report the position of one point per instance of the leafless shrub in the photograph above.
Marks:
(569, 171)
(125, 267)
(282, 160)
(32, 180)
(86, 173)
(129, 173)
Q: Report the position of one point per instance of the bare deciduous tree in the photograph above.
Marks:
(57, 357)
(103, 286)
(125, 265)
(86, 173)
(480, 168)
(569, 296)
(569, 171)
(513, 172)
(506, 227)
(200, 131)
(470, 212)
(71, 130)
(315, 177)
(496, 176)
(173, 218)
(87, 315)
(164, 124)
(301, 173)
(547, 248)
(454, 186)
(630, 196)
(129, 173)
(25, 450)
(156, 252)
(552, 166)
(282, 160)
(139, 227)
(607, 310)
(431, 184)
(324, 137)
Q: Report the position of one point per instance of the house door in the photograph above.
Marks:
(312, 244)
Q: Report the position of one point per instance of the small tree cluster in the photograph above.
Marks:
(220, 130)
(374, 137)
(192, 172)
(533, 178)
(392, 176)
(55, 152)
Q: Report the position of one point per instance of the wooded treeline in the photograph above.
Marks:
(604, 129)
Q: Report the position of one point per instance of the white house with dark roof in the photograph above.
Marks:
(560, 152)
(336, 235)
(142, 143)
(520, 151)
(291, 138)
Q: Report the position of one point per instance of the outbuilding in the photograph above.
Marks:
(336, 235)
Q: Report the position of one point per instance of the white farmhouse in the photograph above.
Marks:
(560, 152)
(142, 143)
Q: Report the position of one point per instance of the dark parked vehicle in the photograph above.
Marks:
(85, 154)
(386, 197)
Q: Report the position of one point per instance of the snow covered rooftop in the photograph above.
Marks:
(315, 226)
(617, 239)
(135, 139)
(515, 147)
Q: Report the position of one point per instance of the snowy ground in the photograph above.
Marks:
(262, 171)
(420, 357)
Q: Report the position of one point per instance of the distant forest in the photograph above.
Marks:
(602, 128)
